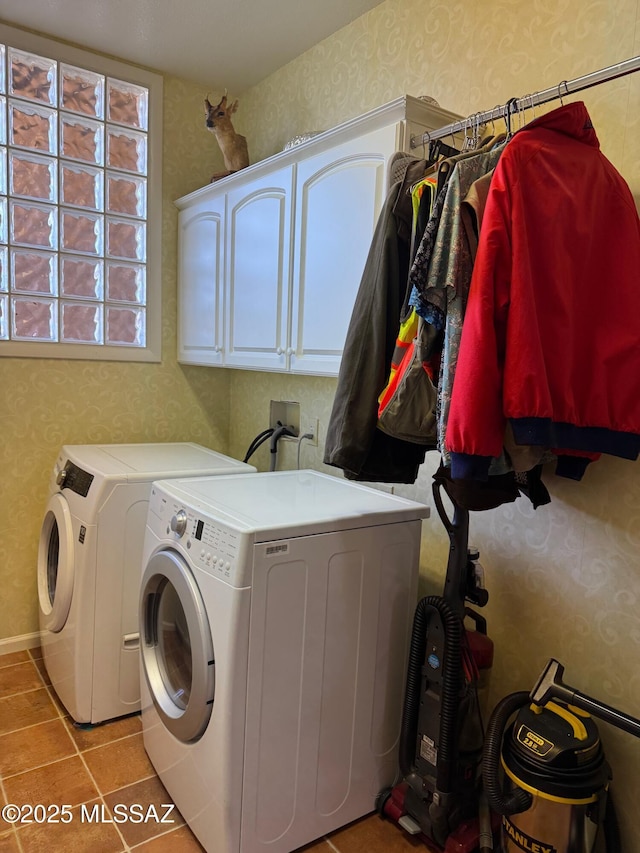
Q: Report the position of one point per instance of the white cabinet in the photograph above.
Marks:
(200, 276)
(339, 194)
(270, 258)
(258, 263)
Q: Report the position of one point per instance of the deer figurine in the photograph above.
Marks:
(233, 146)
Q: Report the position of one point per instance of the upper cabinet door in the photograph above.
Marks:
(258, 272)
(200, 276)
(339, 194)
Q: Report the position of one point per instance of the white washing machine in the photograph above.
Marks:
(275, 620)
(89, 564)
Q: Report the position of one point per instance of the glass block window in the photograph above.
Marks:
(75, 190)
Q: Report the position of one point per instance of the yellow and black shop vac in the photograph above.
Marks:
(545, 773)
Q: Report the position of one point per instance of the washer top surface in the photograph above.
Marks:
(289, 502)
(137, 461)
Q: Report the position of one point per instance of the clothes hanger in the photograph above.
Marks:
(508, 111)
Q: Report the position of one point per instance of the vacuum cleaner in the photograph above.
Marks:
(442, 736)
(546, 774)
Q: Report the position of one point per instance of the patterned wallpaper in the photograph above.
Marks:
(564, 580)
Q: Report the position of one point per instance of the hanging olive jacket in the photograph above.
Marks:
(354, 443)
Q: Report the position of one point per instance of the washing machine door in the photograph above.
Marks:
(56, 560)
(177, 649)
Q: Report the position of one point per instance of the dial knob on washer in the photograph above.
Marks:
(178, 522)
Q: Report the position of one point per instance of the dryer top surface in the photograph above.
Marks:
(151, 461)
(292, 502)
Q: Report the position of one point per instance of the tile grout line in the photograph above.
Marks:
(62, 758)
(14, 831)
(50, 691)
(101, 796)
(125, 846)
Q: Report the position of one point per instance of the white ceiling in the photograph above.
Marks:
(229, 44)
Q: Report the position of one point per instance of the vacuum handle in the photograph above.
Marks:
(551, 686)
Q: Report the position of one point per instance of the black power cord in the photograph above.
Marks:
(276, 435)
(257, 441)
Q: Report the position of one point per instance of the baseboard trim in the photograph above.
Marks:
(18, 644)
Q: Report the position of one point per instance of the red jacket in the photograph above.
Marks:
(551, 335)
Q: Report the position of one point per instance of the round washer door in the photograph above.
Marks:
(56, 561)
(176, 644)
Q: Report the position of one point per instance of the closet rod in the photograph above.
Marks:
(566, 87)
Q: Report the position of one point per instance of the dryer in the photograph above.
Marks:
(89, 564)
(275, 621)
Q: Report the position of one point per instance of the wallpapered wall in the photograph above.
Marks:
(46, 403)
(564, 580)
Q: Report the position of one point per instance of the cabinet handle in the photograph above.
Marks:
(290, 351)
(217, 349)
(279, 351)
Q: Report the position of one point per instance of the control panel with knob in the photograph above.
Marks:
(178, 522)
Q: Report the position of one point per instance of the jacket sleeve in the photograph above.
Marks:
(476, 424)
(369, 346)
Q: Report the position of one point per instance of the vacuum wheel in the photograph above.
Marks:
(381, 800)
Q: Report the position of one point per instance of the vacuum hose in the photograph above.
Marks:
(450, 689)
(612, 838)
(517, 800)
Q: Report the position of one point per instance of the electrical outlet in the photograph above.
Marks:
(310, 428)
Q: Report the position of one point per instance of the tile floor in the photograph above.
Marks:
(45, 758)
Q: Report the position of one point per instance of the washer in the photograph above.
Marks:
(89, 564)
(275, 620)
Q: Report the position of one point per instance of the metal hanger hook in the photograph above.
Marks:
(508, 110)
(426, 140)
(566, 90)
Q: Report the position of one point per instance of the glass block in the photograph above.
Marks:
(32, 76)
(33, 176)
(4, 269)
(81, 186)
(126, 150)
(126, 326)
(3, 121)
(3, 170)
(127, 104)
(126, 283)
(80, 322)
(33, 319)
(3, 220)
(81, 232)
(33, 272)
(126, 194)
(33, 225)
(81, 277)
(81, 139)
(81, 91)
(4, 314)
(3, 81)
(33, 127)
(126, 239)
